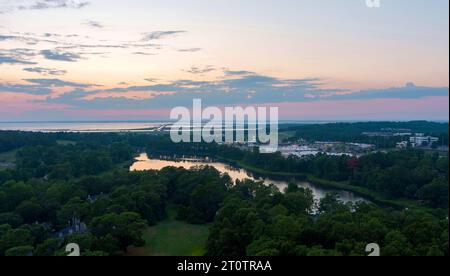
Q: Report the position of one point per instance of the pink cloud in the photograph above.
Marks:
(17, 103)
(122, 114)
(429, 108)
(379, 109)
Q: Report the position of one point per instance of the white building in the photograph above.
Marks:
(420, 140)
(402, 145)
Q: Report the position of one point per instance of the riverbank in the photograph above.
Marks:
(372, 196)
(325, 185)
(262, 172)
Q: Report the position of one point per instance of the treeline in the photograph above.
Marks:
(66, 155)
(72, 160)
(408, 174)
(353, 132)
(256, 221)
(11, 140)
(404, 174)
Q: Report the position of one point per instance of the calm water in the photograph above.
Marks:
(80, 126)
(143, 163)
(111, 126)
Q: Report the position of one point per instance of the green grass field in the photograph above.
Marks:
(173, 238)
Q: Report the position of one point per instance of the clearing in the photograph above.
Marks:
(173, 238)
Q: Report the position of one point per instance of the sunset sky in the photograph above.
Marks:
(136, 59)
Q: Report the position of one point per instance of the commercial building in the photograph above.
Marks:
(421, 139)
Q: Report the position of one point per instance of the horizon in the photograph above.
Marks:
(283, 121)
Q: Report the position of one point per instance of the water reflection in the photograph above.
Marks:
(143, 163)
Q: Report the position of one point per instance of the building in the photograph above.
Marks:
(402, 145)
(75, 226)
(421, 139)
(403, 134)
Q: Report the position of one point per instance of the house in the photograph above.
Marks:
(75, 226)
(402, 145)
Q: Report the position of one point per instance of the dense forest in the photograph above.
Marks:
(64, 179)
(353, 132)
(409, 174)
(256, 221)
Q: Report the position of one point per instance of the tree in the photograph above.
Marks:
(15, 238)
(436, 193)
(127, 228)
(204, 203)
(95, 254)
(3, 198)
(12, 219)
(17, 192)
(299, 202)
(331, 203)
(74, 208)
(264, 247)
(84, 240)
(396, 245)
(30, 211)
(435, 252)
(107, 244)
(48, 247)
(20, 251)
(278, 210)
(285, 228)
(318, 251)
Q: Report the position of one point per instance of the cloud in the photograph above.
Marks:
(143, 54)
(233, 89)
(41, 86)
(30, 89)
(6, 37)
(70, 47)
(58, 83)
(160, 35)
(200, 71)
(190, 50)
(152, 80)
(45, 71)
(94, 24)
(18, 56)
(14, 60)
(60, 56)
(238, 73)
(54, 4)
(64, 42)
(409, 91)
(22, 5)
(244, 89)
(28, 38)
(253, 89)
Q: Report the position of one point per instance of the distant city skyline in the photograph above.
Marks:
(88, 60)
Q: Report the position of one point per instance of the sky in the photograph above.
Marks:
(137, 59)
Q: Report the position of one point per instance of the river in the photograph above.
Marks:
(144, 163)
